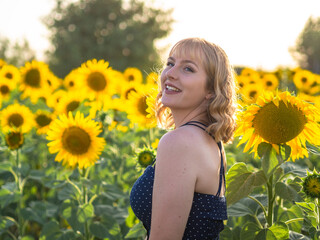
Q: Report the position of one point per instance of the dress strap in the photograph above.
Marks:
(221, 174)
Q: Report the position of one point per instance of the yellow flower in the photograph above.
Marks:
(152, 78)
(270, 82)
(6, 88)
(72, 81)
(76, 140)
(97, 78)
(132, 74)
(304, 79)
(311, 185)
(14, 139)
(54, 98)
(34, 77)
(155, 143)
(43, 119)
(10, 73)
(138, 110)
(53, 81)
(146, 157)
(280, 119)
(251, 92)
(16, 117)
(70, 102)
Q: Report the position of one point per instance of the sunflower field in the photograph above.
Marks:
(72, 148)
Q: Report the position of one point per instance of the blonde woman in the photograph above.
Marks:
(182, 195)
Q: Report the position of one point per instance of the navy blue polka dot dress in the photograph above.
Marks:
(207, 211)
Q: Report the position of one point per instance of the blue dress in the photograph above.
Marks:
(207, 211)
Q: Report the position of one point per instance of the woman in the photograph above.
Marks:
(182, 196)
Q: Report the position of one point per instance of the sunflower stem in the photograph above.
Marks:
(85, 200)
(270, 201)
(260, 204)
(318, 212)
(20, 190)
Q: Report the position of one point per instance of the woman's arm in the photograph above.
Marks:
(174, 184)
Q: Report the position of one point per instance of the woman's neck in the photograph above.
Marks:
(180, 117)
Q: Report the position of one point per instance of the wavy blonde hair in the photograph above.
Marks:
(220, 82)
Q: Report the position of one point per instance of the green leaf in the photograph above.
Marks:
(265, 234)
(309, 208)
(297, 236)
(99, 230)
(137, 231)
(269, 158)
(292, 213)
(5, 224)
(69, 212)
(245, 206)
(5, 167)
(226, 233)
(85, 212)
(7, 197)
(280, 230)
(249, 231)
(285, 152)
(294, 169)
(240, 182)
(287, 192)
(50, 231)
(27, 238)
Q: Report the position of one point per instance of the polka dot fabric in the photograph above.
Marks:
(207, 211)
(206, 216)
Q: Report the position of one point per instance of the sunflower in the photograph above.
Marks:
(15, 117)
(152, 78)
(311, 184)
(250, 93)
(303, 79)
(10, 73)
(6, 88)
(70, 102)
(76, 140)
(242, 81)
(34, 77)
(14, 139)
(132, 74)
(53, 81)
(146, 157)
(138, 109)
(71, 81)
(278, 119)
(270, 82)
(54, 98)
(43, 119)
(97, 78)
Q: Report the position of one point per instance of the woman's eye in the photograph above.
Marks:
(189, 69)
(170, 64)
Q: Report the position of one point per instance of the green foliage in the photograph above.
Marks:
(121, 31)
(15, 53)
(307, 49)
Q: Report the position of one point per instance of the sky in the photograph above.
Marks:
(253, 33)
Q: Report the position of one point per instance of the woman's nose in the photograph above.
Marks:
(172, 73)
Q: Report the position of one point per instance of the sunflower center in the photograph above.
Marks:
(9, 75)
(252, 94)
(33, 78)
(142, 105)
(72, 106)
(269, 83)
(97, 81)
(128, 92)
(15, 120)
(71, 84)
(49, 82)
(75, 140)
(130, 77)
(304, 79)
(279, 124)
(4, 89)
(14, 140)
(43, 120)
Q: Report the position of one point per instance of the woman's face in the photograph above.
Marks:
(183, 83)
